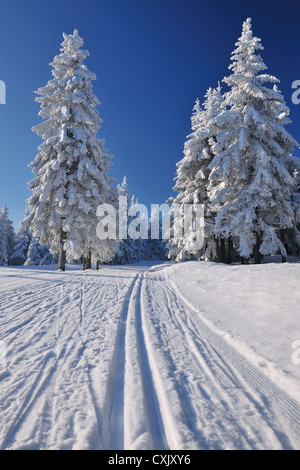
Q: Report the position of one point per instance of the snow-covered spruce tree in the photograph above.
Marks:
(38, 254)
(291, 236)
(186, 171)
(141, 243)
(126, 249)
(7, 236)
(250, 182)
(129, 250)
(193, 177)
(71, 170)
(22, 241)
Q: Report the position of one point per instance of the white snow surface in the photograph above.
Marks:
(153, 355)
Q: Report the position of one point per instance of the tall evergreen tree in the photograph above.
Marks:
(186, 172)
(7, 236)
(128, 250)
(192, 178)
(71, 169)
(20, 249)
(250, 181)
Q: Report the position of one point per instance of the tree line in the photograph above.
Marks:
(237, 161)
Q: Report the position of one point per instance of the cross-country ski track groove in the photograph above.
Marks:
(121, 359)
(134, 417)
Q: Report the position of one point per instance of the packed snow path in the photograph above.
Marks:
(119, 359)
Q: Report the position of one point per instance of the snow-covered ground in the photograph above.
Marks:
(155, 355)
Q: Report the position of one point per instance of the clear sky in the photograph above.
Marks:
(152, 59)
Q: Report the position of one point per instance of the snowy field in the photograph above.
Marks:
(150, 356)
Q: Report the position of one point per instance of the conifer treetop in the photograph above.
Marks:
(244, 57)
(71, 53)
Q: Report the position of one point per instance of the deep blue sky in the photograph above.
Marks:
(152, 59)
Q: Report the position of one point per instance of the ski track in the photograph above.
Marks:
(120, 359)
(261, 414)
(144, 427)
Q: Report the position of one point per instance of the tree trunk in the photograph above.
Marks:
(83, 263)
(218, 253)
(283, 257)
(233, 251)
(223, 250)
(97, 264)
(256, 252)
(89, 260)
(230, 250)
(61, 263)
